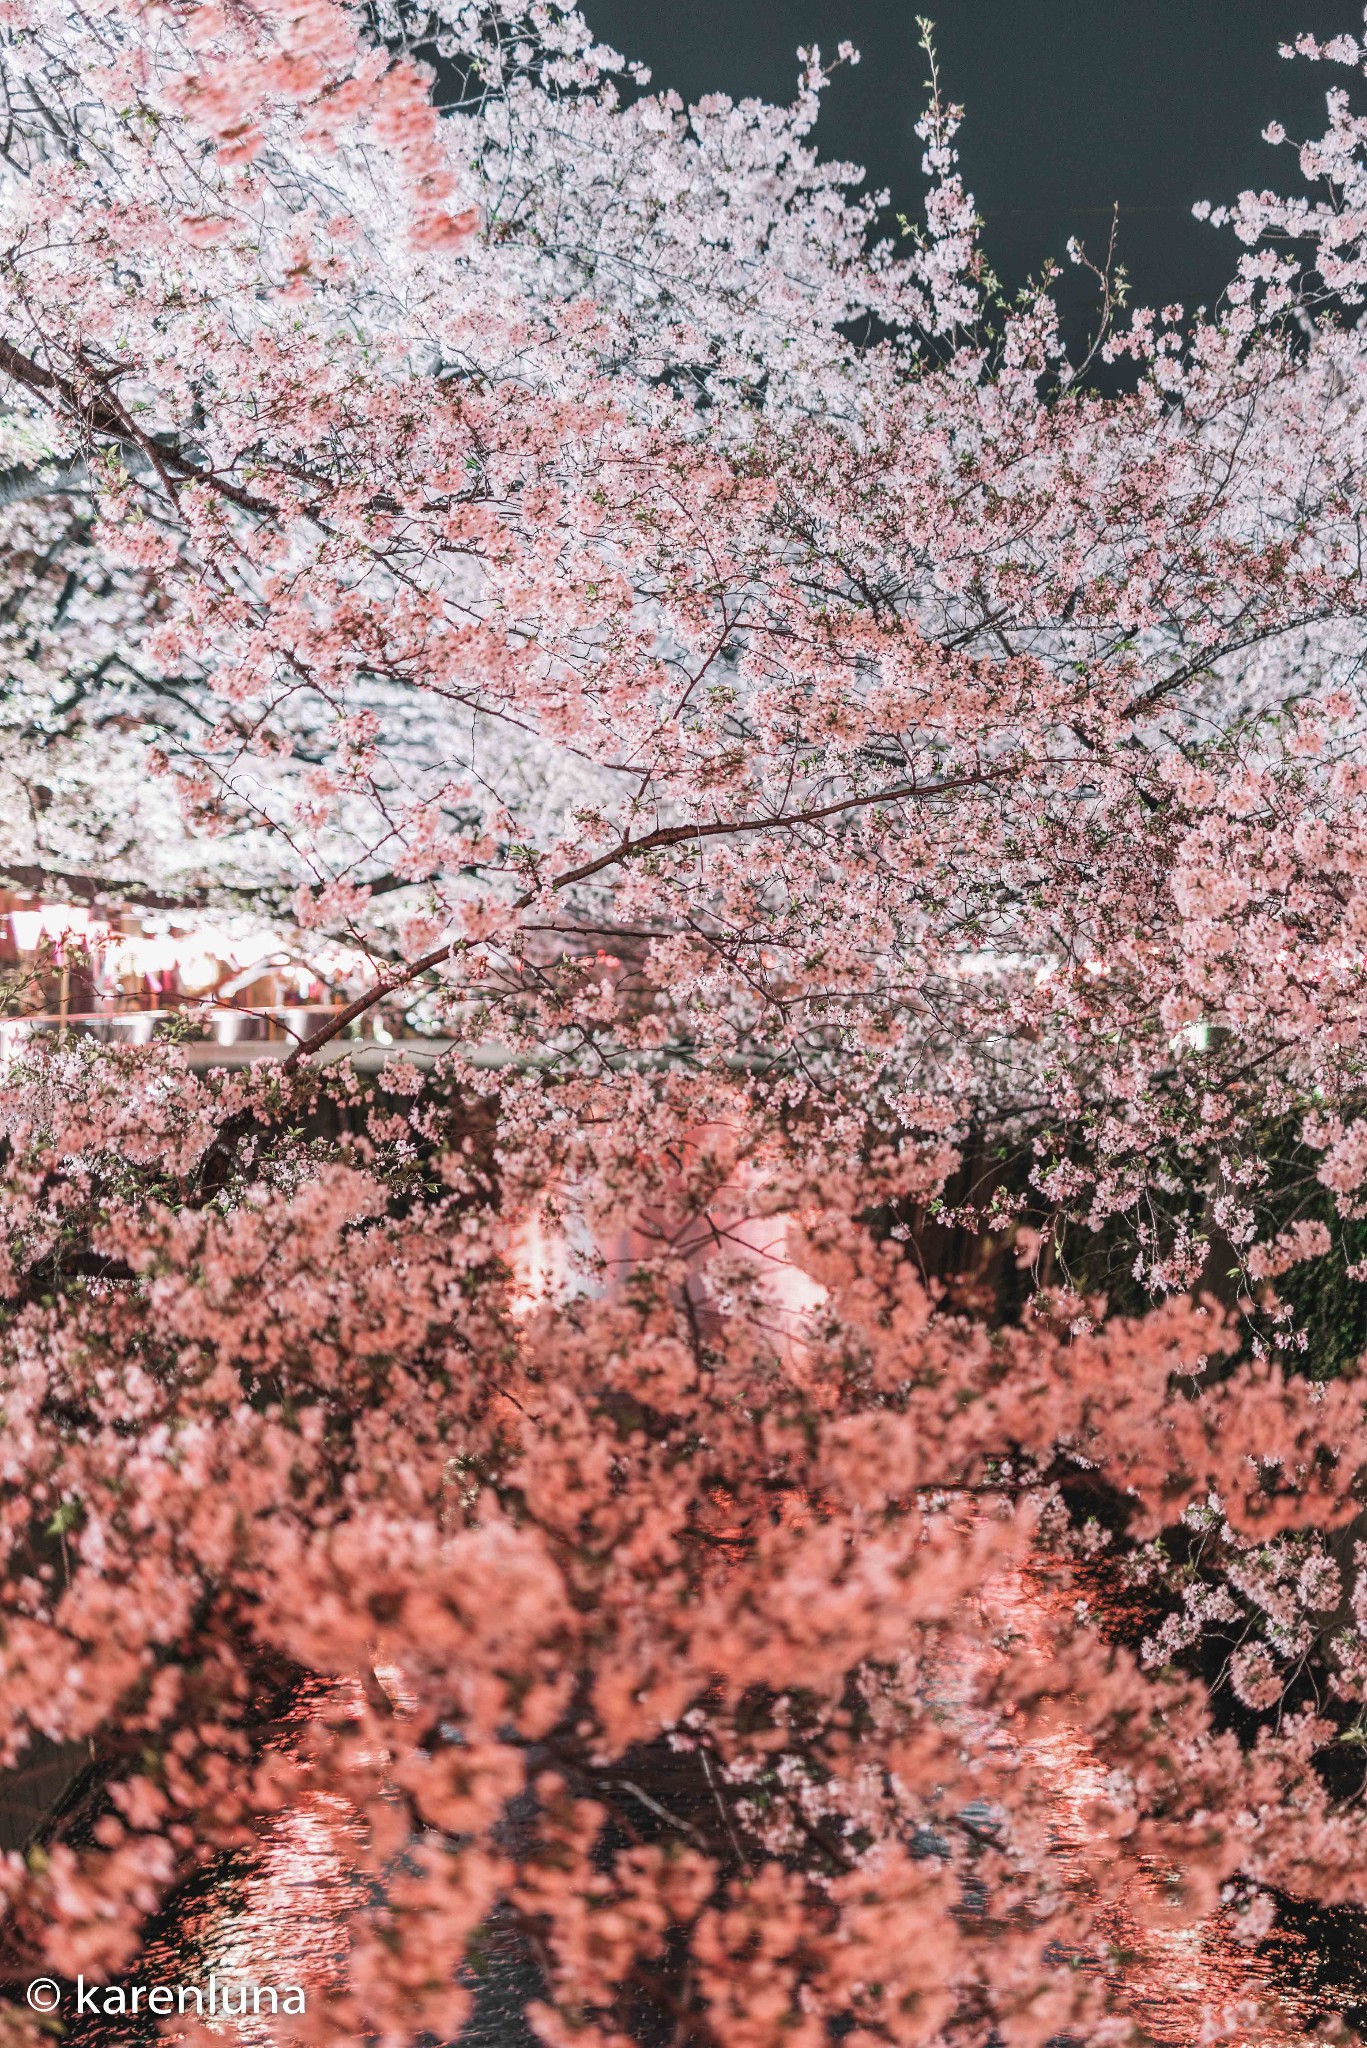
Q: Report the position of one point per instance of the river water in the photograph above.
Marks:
(277, 1915)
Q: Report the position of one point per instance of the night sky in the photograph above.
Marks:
(1071, 105)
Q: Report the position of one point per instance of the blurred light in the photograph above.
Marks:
(49, 921)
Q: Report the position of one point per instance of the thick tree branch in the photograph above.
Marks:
(629, 849)
(99, 414)
(724, 828)
(30, 878)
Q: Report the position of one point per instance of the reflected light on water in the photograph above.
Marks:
(1184, 1986)
(278, 1915)
(275, 1915)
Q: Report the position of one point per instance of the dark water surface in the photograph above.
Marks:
(277, 1915)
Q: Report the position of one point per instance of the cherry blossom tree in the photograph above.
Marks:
(743, 1613)
(516, 564)
(446, 511)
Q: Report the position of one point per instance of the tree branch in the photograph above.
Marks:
(721, 828)
(102, 415)
(649, 842)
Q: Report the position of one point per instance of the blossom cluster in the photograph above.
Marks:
(845, 790)
(751, 1600)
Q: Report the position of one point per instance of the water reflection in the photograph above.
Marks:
(1183, 1986)
(272, 1916)
(278, 1914)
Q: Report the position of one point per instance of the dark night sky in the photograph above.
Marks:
(1071, 105)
